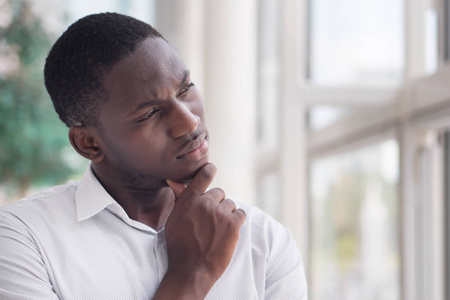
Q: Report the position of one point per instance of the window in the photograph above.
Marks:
(352, 97)
(356, 42)
(446, 30)
(140, 9)
(40, 159)
(322, 116)
(268, 73)
(431, 41)
(268, 191)
(354, 224)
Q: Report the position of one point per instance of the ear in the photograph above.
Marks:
(85, 142)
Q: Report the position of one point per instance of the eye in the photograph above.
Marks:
(186, 88)
(148, 116)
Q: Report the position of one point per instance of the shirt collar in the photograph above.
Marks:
(91, 197)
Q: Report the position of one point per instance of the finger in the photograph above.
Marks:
(176, 187)
(202, 179)
(241, 215)
(216, 194)
(228, 205)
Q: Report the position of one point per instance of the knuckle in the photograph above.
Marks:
(230, 202)
(220, 193)
(208, 171)
(240, 213)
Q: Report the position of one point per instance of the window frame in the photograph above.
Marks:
(419, 106)
(446, 277)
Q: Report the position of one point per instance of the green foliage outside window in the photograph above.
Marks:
(32, 139)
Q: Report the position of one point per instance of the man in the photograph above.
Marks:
(140, 224)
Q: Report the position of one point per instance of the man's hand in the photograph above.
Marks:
(201, 232)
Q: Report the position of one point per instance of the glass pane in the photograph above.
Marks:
(34, 149)
(268, 193)
(322, 116)
(140, 9)
(356, 42)
(447, 29)
(354, 222)
(268, 71)
(431, 41)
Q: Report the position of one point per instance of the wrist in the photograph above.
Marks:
(185, 285)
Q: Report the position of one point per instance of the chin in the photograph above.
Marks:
(186, 176)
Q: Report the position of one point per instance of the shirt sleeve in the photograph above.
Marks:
(285, 277)
(23, 274)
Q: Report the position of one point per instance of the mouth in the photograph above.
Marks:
(195, 150)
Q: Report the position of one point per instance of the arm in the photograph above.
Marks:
(202, 233)
(23, 274)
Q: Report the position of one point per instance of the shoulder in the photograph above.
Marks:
(260, 221)
(274, 249)
(53, 203)
(267, 235)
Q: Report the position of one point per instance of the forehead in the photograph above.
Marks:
(151, 69)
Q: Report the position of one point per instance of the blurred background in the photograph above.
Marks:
(331, 115)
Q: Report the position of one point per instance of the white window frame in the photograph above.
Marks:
(416, 113)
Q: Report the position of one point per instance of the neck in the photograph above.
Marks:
(150, 205)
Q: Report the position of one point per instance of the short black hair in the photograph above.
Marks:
(75, 66)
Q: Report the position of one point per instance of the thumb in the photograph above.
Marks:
(177, 187)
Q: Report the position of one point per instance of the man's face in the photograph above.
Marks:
(153, 121)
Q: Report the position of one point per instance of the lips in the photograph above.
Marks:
(197, 147)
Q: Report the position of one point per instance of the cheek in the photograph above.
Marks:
(126, 146)
(197, 108)
(151, 145)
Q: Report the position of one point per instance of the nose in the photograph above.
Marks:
(183, 121)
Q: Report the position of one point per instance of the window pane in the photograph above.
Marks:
(140, 9)
(431, 41)
(356, 42)
(322, 116)
(34, 134)
(447, 29)
(354, 222)
(268, 193)
(268, 71)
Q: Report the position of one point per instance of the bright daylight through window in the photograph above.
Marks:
(354, 222)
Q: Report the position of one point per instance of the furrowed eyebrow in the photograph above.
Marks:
(144, 105)
(186, 74)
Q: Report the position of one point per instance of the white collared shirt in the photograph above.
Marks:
(75, 241)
